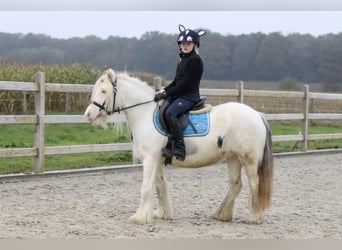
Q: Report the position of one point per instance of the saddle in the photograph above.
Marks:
(184, 120)
(197, 118)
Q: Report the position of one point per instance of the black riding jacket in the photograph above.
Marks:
(188, 76)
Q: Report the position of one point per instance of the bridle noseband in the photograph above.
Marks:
(102, 106)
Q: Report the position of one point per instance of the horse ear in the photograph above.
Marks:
(181, 28)
(201, 32)
(111, 75)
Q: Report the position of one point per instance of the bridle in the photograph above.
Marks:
(103, 108)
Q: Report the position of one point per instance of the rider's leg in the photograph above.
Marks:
(179, 147)
(177, 107)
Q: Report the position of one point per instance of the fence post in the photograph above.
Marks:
(24, 102)
(305, 121)
(240, 89)
(39, 107)
(67, 102)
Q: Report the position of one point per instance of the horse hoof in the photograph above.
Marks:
(254, 222)
(158, 214)
(135, 220)
(220, 218)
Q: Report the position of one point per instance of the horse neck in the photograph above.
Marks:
(132, 91)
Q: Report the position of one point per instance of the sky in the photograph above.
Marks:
(131, 18)
(68, 24)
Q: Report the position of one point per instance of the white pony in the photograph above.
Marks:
(238, 134)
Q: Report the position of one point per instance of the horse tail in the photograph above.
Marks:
(265, 170)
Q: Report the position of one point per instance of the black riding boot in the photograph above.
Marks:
(179, 148)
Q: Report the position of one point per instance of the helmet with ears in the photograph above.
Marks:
(188, 35)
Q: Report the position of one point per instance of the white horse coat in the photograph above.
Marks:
(238, 134)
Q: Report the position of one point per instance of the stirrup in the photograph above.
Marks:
(180, 157)
(166, 152)
(179, 154)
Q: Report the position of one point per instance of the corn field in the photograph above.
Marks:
(23, 102)
(13, 102)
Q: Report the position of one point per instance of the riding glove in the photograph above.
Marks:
(159, 96)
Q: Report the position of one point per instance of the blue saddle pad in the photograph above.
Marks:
(200, 122)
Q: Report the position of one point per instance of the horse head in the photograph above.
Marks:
(102, 99)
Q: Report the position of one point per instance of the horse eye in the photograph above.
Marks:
(104, 91)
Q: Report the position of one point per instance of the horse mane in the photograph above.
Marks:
(135, 81)
(139, 90)
(126, 77)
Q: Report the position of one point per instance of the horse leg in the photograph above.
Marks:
(163, 210)
(144, 212)
(225, 211)
(256, 215)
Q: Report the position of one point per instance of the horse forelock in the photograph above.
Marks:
(111, 74)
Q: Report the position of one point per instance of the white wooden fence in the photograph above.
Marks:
(39, 119)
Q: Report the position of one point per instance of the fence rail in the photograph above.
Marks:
(39, 119)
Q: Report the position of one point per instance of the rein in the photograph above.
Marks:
(132, 106)
(102, 106)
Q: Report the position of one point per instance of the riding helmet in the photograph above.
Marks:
(188, 35)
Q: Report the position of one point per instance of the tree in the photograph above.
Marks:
(244, 56)
(271, 58)
(329, 58)
(216, 52)
(300, 57)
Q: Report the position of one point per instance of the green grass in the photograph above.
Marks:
(287, 129)
(15, 136)
(21, 136)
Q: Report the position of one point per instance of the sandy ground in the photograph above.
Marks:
(306, 204)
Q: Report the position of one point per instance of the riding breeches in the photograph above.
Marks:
(177, 107)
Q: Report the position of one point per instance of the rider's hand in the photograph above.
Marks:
(158, 96)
